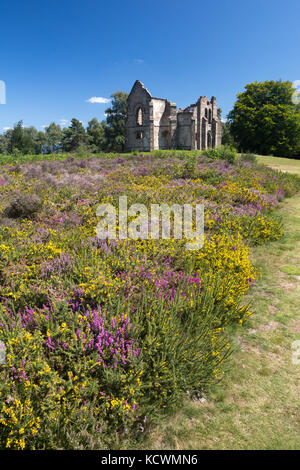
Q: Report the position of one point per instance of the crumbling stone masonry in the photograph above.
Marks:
(156, 123)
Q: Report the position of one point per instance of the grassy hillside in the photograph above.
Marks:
(289, 165)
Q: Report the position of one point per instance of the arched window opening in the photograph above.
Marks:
(139, 135)
(209, 140)
(206, 112)
(139, 117)
(209, 118)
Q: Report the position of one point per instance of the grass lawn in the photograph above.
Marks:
(284, 164)
(257, 404)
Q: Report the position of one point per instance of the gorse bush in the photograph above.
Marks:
(257, 230)
(102, 337)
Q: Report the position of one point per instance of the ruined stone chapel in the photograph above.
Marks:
(156, 123)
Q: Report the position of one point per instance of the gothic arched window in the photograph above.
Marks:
(139, 117)
(209, 142)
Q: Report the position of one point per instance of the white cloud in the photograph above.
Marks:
(6, 128)
(139, 61)
(98, 99)
(64, 122)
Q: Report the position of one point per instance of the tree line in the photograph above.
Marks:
(265, 120)
(105, 136)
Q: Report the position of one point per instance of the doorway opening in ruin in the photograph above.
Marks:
(165, 139)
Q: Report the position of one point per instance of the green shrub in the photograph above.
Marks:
(212, 153)
(223, 152)
(256, 229)
(227, 153)
(183, 345)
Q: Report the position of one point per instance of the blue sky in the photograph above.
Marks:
(55, 55)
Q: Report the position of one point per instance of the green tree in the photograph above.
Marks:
(116, 114)
(36, 138)
(227, 137)
(16, 138)
(74, 137)
(265, 120)
(96, 133)
(54, 136)
(4, 141)
(40, 142)
(21, 140)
